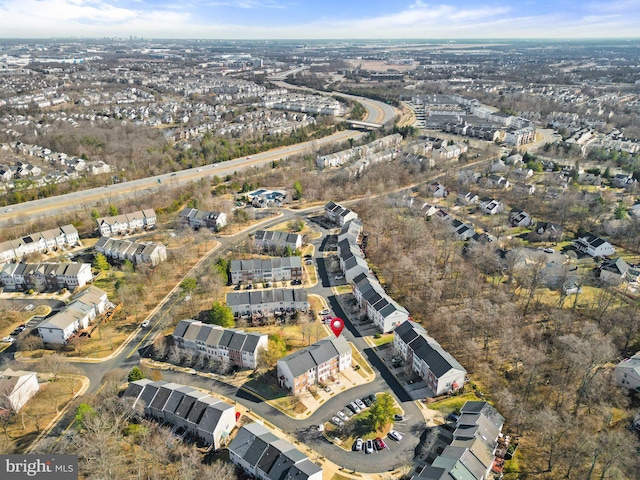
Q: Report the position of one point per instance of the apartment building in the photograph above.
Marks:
(45, 276)
(127, 222)
(265, 270)
(135, 252)
(266, 303)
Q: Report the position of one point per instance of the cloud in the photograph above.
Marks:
(246, 4)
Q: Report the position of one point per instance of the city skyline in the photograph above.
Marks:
(285, 19)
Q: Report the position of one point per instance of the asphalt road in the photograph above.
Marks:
(85, 200)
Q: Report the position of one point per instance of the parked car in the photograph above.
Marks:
(29, 307)
(452, 417)
(339, 277)
(342, 416)
(379, 443)
(372, 398)
(368, 447)
(548, 250)
(354, 408)
(145, 324)
(8, 339)
(336, 421)
(367, 401)
(347, 412)
(326, 311)
(398, 418)
(397, 436)
(327, 389)
(360, 404)
(358, 445)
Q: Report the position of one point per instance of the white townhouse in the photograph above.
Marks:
(203, 218)
(265, 270)
(272, 239)
(135, 252)
(338, 214)
(381, 309)
(265, 303)
(314, 364)
(84, 308)
(221, 344)
(65, 236)
(441, 372)
(127, 222)
(45, 276)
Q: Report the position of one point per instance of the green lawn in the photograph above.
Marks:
(384, 339)
(451, 404)
(357, 358)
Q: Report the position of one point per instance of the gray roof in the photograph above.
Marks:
(318, 353)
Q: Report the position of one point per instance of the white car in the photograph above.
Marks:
(342, 416)
(145, 324)
(359, 444)
(397, 436)
(326, 311)
(8, 339)
(337, 421)
(360, 404)
(339, 277)
(29, 307)
(354, 407)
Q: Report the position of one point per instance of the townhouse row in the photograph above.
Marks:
(186, 407)
(45, 276)
(266, 303)
(84, 308)
(265, 270)
(39, 242)
(122, 250)
(227, 346)
(127, 222)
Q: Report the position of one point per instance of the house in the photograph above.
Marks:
(491, 206)
(203, 218)
(498, 167)
(438, 190)
(546, 232)
(463, 231)
(441, 372)
(185, 407)
(623, 180)
(220, 344)
(617, 271)
(476, 443)
(379, 307)
(594, 246)
(520, 218)
(84, 308)
(268, 239)
(127, 222)
(17, 387)
(262, 455)
(516, 160)
(265, 270)
(6, 174)
(522, 188)
(135, 252)
(496, 182)
(45, 276)
(314, 364)
(627, 373)
(338, 214)
(266, 303)
(467, 198)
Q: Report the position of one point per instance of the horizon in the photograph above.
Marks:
(262, 20)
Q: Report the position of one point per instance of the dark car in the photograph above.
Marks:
(452, 417)
(398, 418)
(367, 401)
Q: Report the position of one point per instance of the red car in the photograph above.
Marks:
(380, 445)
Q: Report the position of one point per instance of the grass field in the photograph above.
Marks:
(452, 404)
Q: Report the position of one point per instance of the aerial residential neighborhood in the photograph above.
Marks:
(354, 258)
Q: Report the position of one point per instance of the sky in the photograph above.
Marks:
(320, 19)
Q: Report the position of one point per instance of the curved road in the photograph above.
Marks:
(397, 455)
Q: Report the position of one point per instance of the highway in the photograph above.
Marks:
(85, 200)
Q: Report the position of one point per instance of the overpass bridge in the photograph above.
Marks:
(357, 124)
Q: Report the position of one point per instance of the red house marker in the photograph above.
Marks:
(337, 324)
